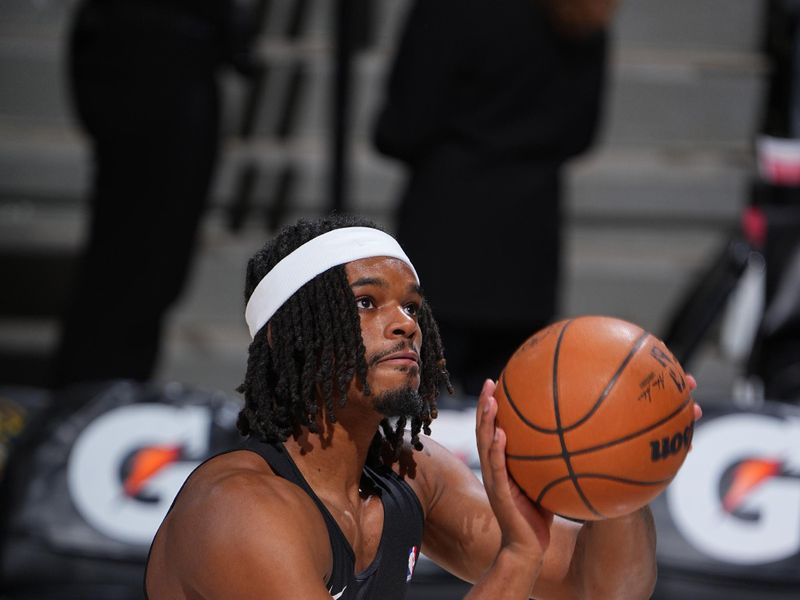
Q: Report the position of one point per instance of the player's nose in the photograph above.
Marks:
(400, 323)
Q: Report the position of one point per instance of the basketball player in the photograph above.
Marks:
(331, 499)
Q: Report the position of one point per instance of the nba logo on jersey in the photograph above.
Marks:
(412, 561)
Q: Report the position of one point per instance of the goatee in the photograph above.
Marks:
(402, 402)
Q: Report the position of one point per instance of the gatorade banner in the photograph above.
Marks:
(733, 511)
(85, 492)
(89, 478)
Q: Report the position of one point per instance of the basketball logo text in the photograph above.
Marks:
(666, 361)
(670, 446)
(650, 384)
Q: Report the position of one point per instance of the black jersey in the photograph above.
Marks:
(387, 577)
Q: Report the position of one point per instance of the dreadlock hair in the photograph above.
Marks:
(315, 350)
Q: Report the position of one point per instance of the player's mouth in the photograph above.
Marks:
(401, 359)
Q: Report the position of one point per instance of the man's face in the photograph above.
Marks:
(388, 300)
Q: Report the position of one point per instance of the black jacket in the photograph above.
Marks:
(485, 102)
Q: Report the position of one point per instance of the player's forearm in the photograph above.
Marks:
(511, 577)
(616, 558)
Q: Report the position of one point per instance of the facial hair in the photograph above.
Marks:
(401, 402)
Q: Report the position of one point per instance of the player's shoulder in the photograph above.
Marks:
(232, 515)
(431, 456)
(240, 484)
(431, 470)
(236, 499)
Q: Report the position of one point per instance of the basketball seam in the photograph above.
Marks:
(517, 411)
(637, 482)
(605, 445)
(564, 452)
(613, 381)
(638, 344)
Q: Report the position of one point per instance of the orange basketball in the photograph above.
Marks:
(598, 417)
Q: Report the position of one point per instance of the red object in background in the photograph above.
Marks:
(779, 160)
(754, 226)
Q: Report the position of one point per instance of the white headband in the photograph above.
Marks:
(316, 256)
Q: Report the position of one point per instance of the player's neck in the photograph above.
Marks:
(334, 459)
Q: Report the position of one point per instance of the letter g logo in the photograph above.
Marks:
(762, 521)
(95, 464)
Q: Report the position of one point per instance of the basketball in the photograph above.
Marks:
(598, 417)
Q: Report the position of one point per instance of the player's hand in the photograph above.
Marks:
(525, 527)
(698, 412)
(578, 18)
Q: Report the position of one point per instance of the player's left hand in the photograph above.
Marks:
(525, 527)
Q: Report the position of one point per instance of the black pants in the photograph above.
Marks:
(150, 106)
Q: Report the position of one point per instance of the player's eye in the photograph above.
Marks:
(412, 309)
(365, 302)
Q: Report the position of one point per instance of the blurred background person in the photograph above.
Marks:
(143, 77)
(485, 104)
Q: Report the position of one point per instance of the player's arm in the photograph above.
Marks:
(484, 533)
(463, 534)
(247, 535)
(616, 558)
(524, 528)
(580, 18)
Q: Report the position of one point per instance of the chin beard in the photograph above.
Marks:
(402, 402)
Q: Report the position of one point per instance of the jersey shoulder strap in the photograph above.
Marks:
(342, 571)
